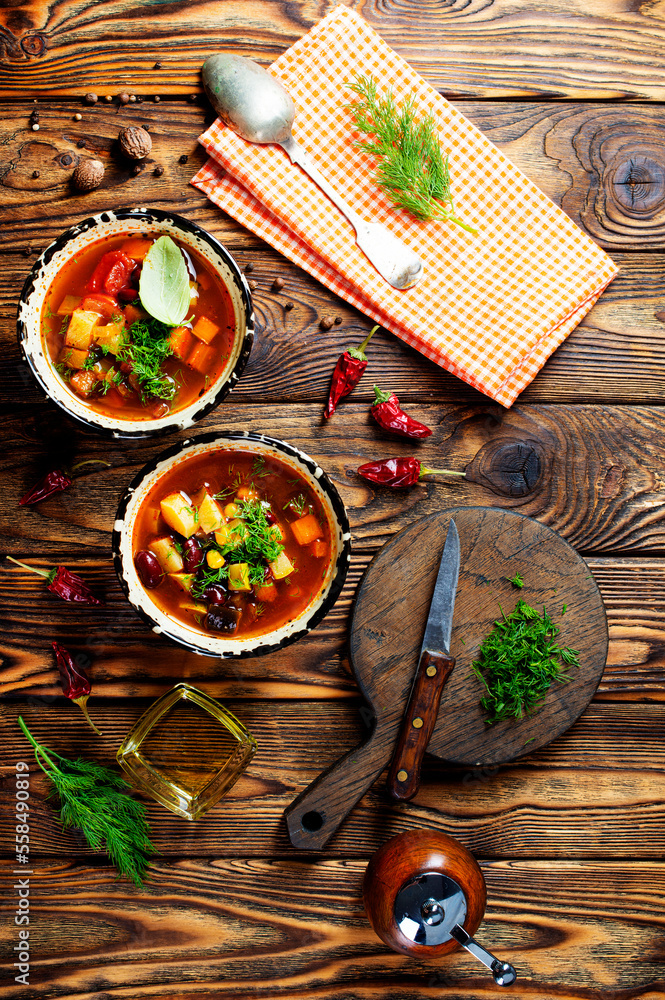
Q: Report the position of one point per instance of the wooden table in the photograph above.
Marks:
(571, 838)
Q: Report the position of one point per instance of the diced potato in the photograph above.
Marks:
(318, 548)
(69, 304)
(179, 514)
(111, 337)
(232, 534)
(198, 609)
(167, 555)
(215, 559)
(205, 330)
(74, 358)
(239, 577)
(181, 342)
(277, 532)
(136, 248)
(281, 567)
(306, 529)
(266, 593)
(83, 383)
(79, 332)
(184, 580)
(210, 515)
(202, 358)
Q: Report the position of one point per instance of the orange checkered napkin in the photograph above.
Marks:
(490, 308)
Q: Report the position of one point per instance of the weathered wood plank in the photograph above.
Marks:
(597, 791)
(617, 354)
(125, 658)
(506, 49)
(237, 929)
(605, 168)
(592, 473)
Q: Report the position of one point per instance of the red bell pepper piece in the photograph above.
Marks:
(112, 273)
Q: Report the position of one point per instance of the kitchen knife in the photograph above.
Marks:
(435, 665)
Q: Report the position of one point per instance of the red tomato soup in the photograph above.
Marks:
(232, 544)
(116, 357)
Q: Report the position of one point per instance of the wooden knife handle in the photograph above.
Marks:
(418, 724)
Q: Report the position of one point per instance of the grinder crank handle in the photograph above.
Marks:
(315, 815)
(418, 723)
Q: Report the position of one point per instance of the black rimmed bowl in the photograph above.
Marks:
(132, 222)
(257, 445)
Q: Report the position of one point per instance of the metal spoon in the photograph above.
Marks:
(257, 107)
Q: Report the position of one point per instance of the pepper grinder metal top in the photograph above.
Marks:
(425, 896)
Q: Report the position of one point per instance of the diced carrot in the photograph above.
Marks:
(246, 493)
(83, 383)
(132, 313)
(318, 548)
(306, 529)
(205, 329)
(266, 593)
(69, 304)
(202, 358)
(181, 341)
(136, 248)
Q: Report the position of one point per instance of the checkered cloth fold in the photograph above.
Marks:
(490, 308)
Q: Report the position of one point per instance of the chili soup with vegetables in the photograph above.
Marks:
(232, 543)
(134, 348)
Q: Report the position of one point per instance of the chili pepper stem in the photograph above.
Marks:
(368, 338)
(38, 748)
(33, 569)
(424, 471)
(90, 461)
(81, 702)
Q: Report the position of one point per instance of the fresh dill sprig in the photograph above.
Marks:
(94, 799)
(412, 168)
(519, 661)
(146, 353)
(516, 581)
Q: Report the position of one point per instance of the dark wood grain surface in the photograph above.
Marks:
(571, 837)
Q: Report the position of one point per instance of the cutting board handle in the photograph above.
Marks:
(316, 814)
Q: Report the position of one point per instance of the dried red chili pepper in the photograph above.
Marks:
(388, 414)
(400, 472)
(63, 584)
(52, 482)
(347, 373)
(75, 684)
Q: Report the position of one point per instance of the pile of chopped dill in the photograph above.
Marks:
(519, 661)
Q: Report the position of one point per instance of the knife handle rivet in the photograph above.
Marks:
(402, 775)
(431, 671)
(417, 723)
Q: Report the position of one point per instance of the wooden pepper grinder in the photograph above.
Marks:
(425, 895)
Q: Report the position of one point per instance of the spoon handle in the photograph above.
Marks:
(392, 259)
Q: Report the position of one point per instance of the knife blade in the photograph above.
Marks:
(435, 664)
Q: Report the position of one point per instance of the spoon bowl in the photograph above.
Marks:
(258, 108)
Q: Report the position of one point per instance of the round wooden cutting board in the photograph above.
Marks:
(392, 607)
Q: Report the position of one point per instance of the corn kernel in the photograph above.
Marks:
(215, 559)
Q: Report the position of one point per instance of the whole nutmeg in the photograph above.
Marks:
(88, 175)
(135, 142)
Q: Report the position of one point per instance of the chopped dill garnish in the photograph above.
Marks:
(259, 466)
(146, 353)
(519, 661)
(516, 581)
(297, 504)
(412, 168)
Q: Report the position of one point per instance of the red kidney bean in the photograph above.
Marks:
(270, 517)
(160, 409)
(127, 294)
(216, 593)
(149, 571)
(192, 555)
(221, 619)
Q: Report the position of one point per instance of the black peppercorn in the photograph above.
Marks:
(192, 98)
(136, 170)
(289, 306)
(81, 144)
(183, 158)
(156, 98)
(157, 65)
(249, 268)
(35, 174)
(158, 171)
(338, 320)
